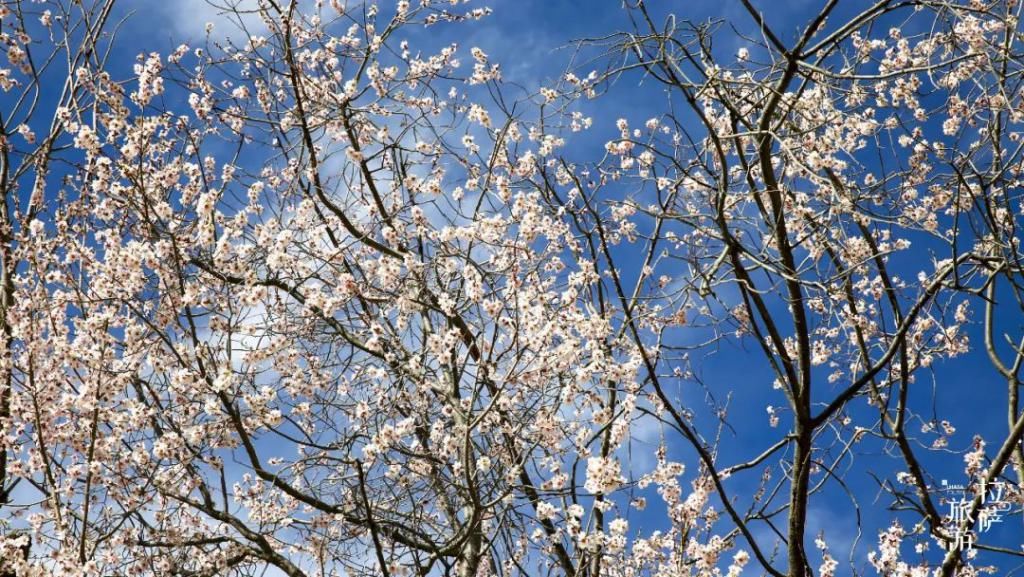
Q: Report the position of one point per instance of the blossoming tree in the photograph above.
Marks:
(334, 299)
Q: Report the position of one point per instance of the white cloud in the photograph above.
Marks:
(234, 19)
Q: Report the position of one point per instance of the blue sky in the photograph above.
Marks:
(967, 391)
(531, 39)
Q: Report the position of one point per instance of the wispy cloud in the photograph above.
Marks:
(230, 18)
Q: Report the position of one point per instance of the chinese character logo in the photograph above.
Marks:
(964, 512)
